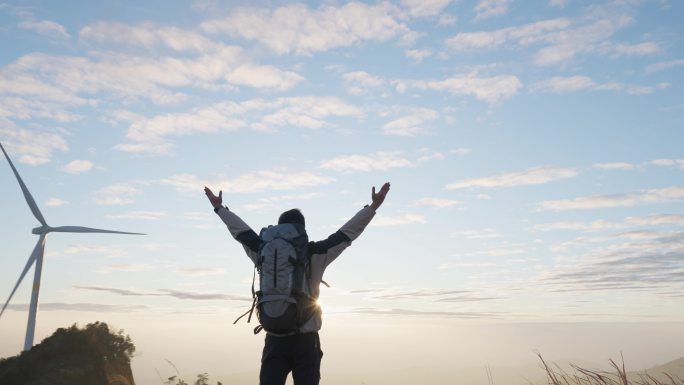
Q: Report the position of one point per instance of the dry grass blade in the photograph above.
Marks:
(583, 376)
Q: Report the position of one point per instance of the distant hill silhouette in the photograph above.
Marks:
(673, 368)
(93, 355)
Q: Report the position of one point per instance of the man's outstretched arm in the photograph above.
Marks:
(333, 246)
(237, 227)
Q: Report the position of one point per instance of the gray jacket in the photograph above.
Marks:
(322, 252)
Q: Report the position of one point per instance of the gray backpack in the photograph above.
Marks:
(283, 301)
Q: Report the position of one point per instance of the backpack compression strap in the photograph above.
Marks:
(254, 302)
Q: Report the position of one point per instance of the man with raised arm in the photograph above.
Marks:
(288, 311)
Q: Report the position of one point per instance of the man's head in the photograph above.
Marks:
(291, 216)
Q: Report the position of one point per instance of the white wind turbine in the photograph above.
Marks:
(37, 254)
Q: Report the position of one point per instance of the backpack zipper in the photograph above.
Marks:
(275, 270)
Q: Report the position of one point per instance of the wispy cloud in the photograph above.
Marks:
(424, 8)
(127, 268)
(424, 295)
(83, 307)
(200, 271)
(561, 39)
(418, 54)
(46, 28)
(614, 166)
(601, 224)
(377, 161)
(477, 234)
(109, 251)
(360, 82)
(412, 123)
(396, 220)
(664, 162)
(77, 166)
(140, 215)
(33, 147)
(560, 84)
(650, 262)
(148, 35)
(427, 313)
(532, 176)
(179, 294)
(651, 196)
(487, 8)
(116, 195)
(277, 201)
(489, 89)
(437, 202)
(301, 30)
(152, 134)
(264, 180)
(55, 202)
(525, 34)
(664, 65)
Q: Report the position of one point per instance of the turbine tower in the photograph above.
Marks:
(37, 254)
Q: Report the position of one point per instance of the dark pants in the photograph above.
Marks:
(300, 354)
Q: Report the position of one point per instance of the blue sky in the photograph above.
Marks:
(534, 151)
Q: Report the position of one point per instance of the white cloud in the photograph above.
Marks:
(77, 166)
(532, 176)
(461, 151)
(33, 147)
(446, 20)
(487, 8)
(656, 219)
(200, 271)
(477, 234)
(614, 166)
(668, 162)
(561, 84)
(418, 54)
(45, 85)
(151, 134)
(263, 77)
(423, 8)
(402, 219)
(664, 65)
(298, 29)
(437, 202)
(116, 195)
(140, 215)
(598, 225)
(359, 82)
(265, 180)
(523, 35)
(641, 49)
(411, 124)
(562, 39)
(377, 161)
(564, 84)
(309, 111)
(148, 35)
(276, 201)
(46, 28)
(616, 200)
(488, 89)
(55, 202)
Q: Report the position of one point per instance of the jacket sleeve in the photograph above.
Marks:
(241, 232)
(325, 251)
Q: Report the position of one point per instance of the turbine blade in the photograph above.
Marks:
(80, 229)
(37, 251)
(27, 195)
